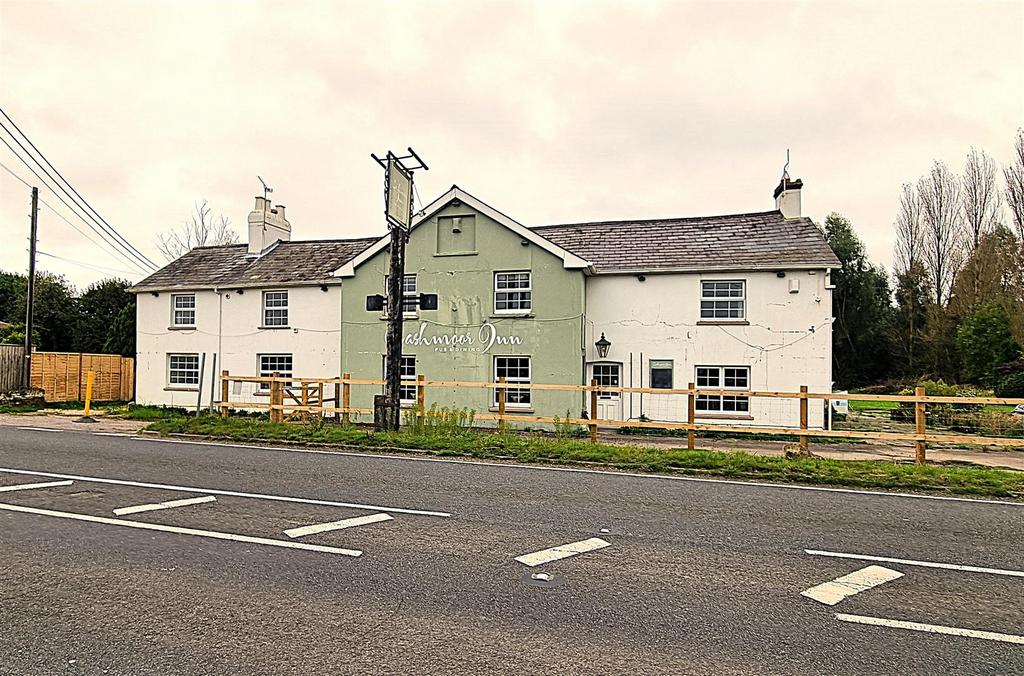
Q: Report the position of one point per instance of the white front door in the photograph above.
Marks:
(609, 404)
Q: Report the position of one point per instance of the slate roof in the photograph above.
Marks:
(763, 240)
(287, 264)
(756, 241)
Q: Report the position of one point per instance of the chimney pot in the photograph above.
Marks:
(787, 197)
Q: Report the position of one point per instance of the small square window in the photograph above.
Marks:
(274, 363)
(513, 370)
(723, 378)
(182, 369)
(512, 292)
(661, 374)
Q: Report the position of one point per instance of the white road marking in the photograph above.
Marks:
(578, 470)
(562, 552)
(337, 525)
(912, 562)
(831, 593)
(39, 429)
(25, 487)
(181, 531)
(110, 434)
(135, 509)
(931, 628)
(236, 494)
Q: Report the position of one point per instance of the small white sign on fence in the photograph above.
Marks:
(841, 406)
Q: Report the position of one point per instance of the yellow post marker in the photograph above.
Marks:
(88, 399)
(88, 392)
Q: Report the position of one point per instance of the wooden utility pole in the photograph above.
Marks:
(27, 378)
(393, 342)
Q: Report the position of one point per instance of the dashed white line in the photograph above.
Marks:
(25, 487)
(337, 525)
(912, 562)
(181, 531)
(40, 429)
(831, 593)
(931, 628)
(562, 552)
(236, 494)
(170, 504)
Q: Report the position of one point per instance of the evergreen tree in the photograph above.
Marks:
(985, 343)
(121, 337)
(910, 318)
(99, 306)
(860, 303)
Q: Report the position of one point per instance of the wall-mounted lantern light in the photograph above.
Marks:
(602, 346)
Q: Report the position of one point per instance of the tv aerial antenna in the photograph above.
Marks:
(267, 189)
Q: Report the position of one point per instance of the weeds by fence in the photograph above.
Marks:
(300, 398)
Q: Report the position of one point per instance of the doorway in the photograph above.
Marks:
(609, 404)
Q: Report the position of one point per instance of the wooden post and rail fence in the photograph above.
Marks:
(307, 395)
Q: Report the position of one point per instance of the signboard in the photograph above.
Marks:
(841, 406)
(399, 197)
(467, 339)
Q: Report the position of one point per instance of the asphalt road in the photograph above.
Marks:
(698, 577)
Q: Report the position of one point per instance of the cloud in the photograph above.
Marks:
(553, 111)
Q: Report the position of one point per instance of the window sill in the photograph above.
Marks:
(181, 389)
(273, 328)
(457, 253)
(722, 416)
(384, 318)
(182, 328)
(513, 410)
(723, 322)
(512, 315)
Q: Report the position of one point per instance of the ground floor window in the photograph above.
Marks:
(274, 363)
(182, 369)
(513, 370)
(723, 378)
(407, 390)
(661, 374)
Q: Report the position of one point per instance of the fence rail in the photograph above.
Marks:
(308, 397)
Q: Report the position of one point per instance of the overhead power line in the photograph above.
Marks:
(77, 210)
(108, 249)
(94, 215)
(89, 266)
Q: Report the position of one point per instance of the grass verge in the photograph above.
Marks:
(566, 451)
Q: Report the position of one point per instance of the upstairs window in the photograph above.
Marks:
(723, 300)
(723, 378)
(275, 308)
(512, 292)
(183, 312)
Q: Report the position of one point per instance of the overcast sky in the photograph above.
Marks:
(551, 112)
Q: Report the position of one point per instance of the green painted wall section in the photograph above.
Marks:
(551, 334)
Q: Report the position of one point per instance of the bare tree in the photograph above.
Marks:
(939, 191)
(909, 231)
(201, 229)
(1014, 174)
(981, 199)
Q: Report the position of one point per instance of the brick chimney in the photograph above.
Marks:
(787, 197)
(267, 225)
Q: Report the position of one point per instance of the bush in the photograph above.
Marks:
(1011, 386)
(441, 422)
(938, 388)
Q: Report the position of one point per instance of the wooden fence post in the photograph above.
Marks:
(805, 441)
(224, 393)
(593, 411)
(421, 399)
(919, 425)
(320, 398)
(691, 413)
(337, 402)
(501, 405)
(346, 398)
(276, 399)
(305, 401)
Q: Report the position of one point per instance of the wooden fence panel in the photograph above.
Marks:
(62, 376)
(12, 363)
